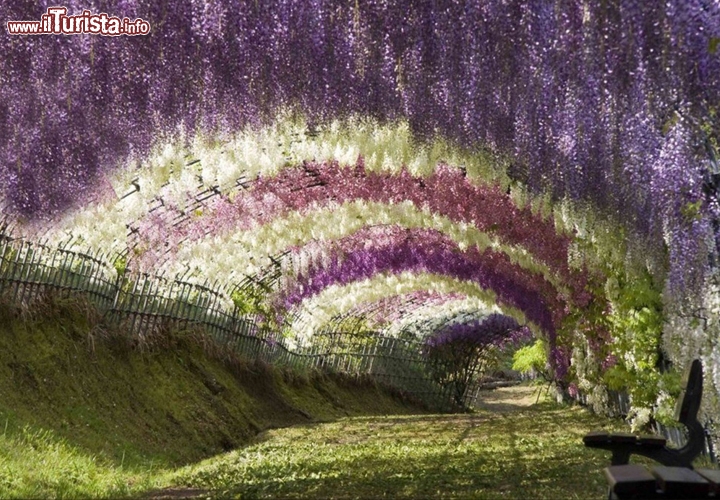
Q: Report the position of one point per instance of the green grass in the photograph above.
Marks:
(37, 464)
(84, 412)
(535, 453)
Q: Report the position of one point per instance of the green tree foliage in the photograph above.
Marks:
(532, 359)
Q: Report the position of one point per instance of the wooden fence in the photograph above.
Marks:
(144, 304)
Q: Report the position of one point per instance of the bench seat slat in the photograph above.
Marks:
(596, 437)
(630, 480)
(713, 477)
(681, 482)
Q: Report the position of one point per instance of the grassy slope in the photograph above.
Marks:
(84, 413)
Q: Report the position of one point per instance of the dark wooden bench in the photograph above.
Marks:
(636, 482)
(623, 445)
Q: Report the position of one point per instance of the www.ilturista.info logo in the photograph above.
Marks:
(56, 22)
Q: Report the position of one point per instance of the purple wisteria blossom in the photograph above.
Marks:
(495, 329)
(394, 250)
(314, 185)
(551, 86)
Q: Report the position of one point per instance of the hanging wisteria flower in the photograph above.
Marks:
(579, 143)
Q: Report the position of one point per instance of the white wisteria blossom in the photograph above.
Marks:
(248, 250)
(335, 300)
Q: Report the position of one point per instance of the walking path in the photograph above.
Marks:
(508, 399)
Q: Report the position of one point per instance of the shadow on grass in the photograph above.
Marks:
(438, 475)
(537, 453)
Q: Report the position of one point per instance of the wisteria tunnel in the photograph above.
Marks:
(334, 177)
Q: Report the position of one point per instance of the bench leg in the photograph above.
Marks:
(620, 456)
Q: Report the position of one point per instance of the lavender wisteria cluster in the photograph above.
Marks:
(495, 329)
(609, 103)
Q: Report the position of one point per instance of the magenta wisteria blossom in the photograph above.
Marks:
(313, 185)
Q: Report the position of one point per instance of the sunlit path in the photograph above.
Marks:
(509, 399)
